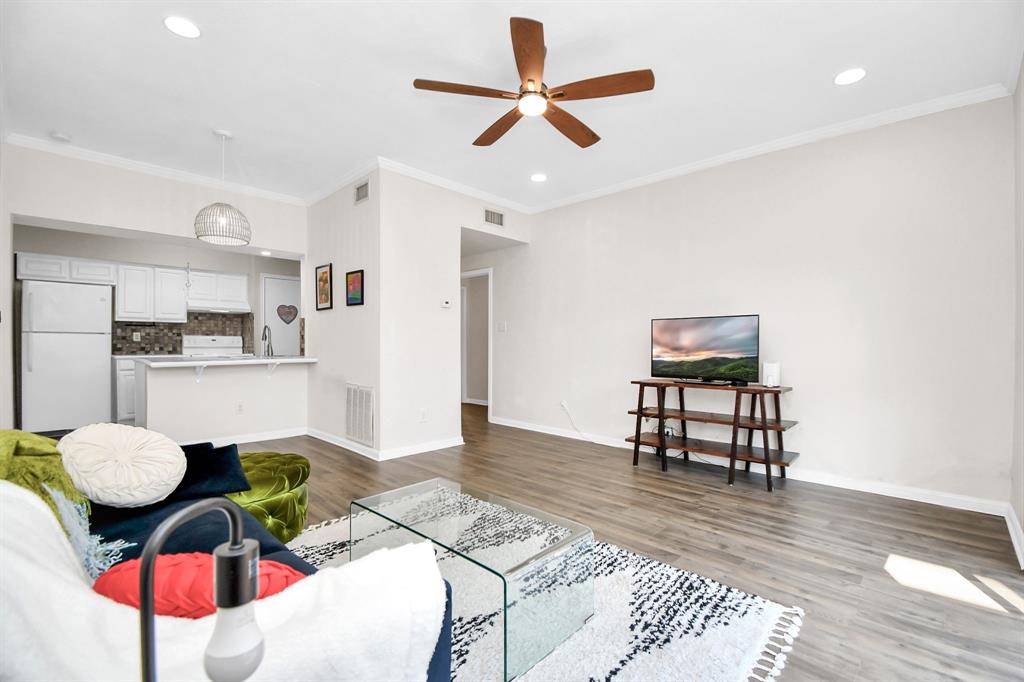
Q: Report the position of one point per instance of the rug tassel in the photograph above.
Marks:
(771, 660)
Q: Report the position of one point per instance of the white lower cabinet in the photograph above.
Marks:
(123, 408)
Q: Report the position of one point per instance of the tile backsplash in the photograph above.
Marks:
(160, 338)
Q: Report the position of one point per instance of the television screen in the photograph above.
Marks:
(708, 348)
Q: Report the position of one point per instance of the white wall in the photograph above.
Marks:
(421, 228)
(1017, 469)
(476, 338)
(346, 339)
(881, 263)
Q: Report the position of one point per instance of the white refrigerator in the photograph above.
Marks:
(65, 355)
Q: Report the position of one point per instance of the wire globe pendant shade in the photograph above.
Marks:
(221, 223)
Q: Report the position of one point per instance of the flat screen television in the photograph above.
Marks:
(706, 348)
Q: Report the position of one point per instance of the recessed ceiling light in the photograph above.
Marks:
(59, 136)
(539, 177)
(850, 76)
(266, 253)
(180, 26)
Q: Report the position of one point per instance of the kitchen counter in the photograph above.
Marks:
(171, 361)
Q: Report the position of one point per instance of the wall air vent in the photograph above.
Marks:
(493, 217)
(363, 191)
(359, 413)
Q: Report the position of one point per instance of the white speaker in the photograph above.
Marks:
(772, 374)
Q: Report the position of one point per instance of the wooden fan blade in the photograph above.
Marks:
(460, 89)
(528, 46)
(498, 128)
(605, 86)
(570, 126)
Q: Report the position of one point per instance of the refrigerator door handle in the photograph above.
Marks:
(28, 350)
(28, 314)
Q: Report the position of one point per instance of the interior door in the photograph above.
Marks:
(280, 298)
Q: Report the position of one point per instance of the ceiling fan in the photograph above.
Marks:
(535, 98)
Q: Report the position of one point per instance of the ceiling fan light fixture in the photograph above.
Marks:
(532, 104)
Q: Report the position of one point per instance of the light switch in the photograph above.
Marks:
(502, 326)
(136, 336)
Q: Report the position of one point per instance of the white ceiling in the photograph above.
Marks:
(314, 90)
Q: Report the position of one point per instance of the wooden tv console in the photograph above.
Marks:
(734, 450)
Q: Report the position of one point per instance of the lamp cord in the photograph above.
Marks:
(147, 622)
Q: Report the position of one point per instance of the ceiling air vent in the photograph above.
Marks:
(493, 217)
(363, 191)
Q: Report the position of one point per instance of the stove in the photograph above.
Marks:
(213, 346)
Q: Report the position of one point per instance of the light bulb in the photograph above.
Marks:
(236, 648)
(532, 105)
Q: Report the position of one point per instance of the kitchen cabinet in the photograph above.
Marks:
(219, 292)
(170, 302)
(39, 266)
(135, 293)
(93, 271)
(124, 391)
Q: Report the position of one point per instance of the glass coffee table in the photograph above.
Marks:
(522, 579)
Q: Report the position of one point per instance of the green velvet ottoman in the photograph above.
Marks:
(279, 497)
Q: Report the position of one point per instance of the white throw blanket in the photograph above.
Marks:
(375, 619)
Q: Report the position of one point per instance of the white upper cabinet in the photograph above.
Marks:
(202, 290)
(93, 271)
(135, 293)
(219, 292)
(233, 291)
(63, 269)
(38, 266)
(170, 303)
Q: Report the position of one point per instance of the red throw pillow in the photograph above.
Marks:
(183, 583)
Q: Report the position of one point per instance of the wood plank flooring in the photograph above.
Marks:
(824, 549)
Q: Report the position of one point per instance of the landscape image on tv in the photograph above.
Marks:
(712, 348)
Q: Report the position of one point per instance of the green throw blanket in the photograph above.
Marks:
(31, 461)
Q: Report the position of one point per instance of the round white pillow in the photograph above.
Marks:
(122, 466)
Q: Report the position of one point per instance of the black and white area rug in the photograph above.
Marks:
(651, 621)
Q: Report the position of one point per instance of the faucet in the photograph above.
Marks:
(268, 343)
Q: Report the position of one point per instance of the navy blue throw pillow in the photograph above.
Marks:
(210, 472)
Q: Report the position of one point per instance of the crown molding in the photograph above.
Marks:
(349, 178)
(932, 106)
(83, 154)
(430, 178)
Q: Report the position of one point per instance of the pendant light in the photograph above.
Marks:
(221, 223)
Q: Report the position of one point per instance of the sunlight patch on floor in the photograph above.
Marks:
(940, 580)
(1011, 597)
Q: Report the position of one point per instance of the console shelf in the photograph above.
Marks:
(748, 420)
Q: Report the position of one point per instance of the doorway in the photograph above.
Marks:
(280, 312)
(476, 338)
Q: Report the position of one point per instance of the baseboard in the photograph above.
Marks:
(944, 499)
(1016, 533)
(342, 442)
(474, 401)
(406, 450)
(390, 453)
(254, 437)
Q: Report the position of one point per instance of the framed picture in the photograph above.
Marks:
(324, 287)
(354, 287)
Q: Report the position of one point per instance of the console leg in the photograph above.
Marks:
(778, 434)
(682, 408)
(735, 436)
(750, 431)
(639, 423)
(767, 449)
(661, 428)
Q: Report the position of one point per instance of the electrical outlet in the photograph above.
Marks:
(423, 415)
(502, 326)
(240, 408)
(136, 336)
